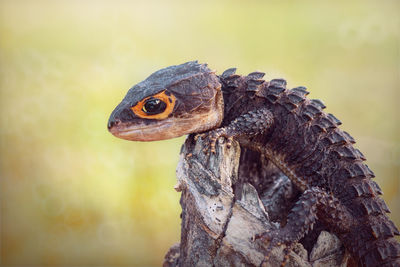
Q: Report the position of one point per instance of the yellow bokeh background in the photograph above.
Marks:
(74, 195)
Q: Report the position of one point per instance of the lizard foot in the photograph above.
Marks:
(211, 139)
(251, 123)
(274, 238)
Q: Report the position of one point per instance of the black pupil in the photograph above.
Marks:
(154, 106)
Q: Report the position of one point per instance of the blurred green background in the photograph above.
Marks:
(74, 195)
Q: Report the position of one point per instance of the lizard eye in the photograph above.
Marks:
(158, 106)
(154, 106)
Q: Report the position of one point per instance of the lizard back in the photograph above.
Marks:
(309, 147)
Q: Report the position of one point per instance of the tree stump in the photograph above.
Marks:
(218, 228)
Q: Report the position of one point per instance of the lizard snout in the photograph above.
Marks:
(112, 123)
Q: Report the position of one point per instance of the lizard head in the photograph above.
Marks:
(171, 102)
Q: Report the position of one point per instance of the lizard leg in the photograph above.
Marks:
(286, 253)
(250, 124)
(314, 203)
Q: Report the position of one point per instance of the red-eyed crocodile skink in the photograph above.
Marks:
(286, 127)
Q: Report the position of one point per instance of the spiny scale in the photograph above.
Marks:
(310, 149)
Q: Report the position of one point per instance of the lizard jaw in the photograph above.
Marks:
(167, 128)
(160, 131)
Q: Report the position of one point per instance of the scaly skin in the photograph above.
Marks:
(295, 134)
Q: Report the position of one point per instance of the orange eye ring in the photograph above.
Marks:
(168, 100)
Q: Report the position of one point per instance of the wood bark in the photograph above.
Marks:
(218, 226)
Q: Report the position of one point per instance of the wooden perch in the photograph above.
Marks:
(218, 228)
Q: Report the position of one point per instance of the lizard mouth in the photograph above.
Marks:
(137, 132)
(166, 129)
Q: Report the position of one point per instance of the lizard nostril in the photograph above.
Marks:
(112, 123)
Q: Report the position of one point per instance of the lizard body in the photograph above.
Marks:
(287, 128)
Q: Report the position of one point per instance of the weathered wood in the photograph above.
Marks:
(218, 228)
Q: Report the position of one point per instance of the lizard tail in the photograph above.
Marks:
(372, 238)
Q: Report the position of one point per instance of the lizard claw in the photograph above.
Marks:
(229, 141)
(274, 239)
(211, 138)
(200, 135)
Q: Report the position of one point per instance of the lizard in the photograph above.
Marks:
(284, 126)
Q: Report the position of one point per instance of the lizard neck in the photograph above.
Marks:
(238, 97)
